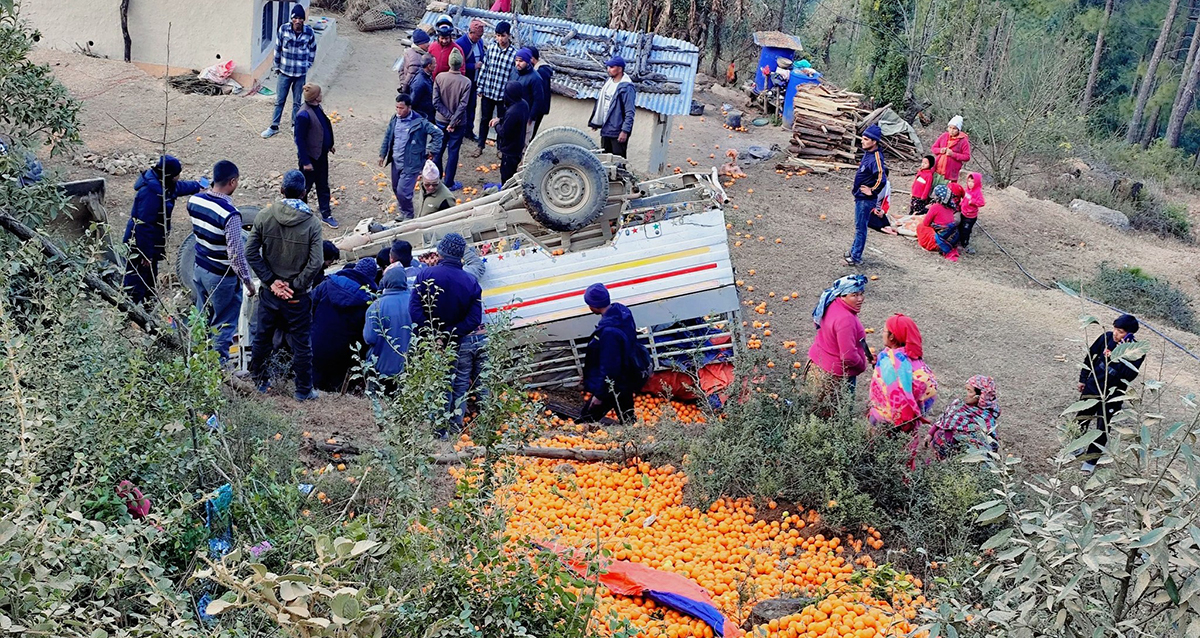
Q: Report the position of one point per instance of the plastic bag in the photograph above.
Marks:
(218, 72)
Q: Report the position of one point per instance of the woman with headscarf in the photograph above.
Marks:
(839, 351)
(902, 387)
(937, 231)
(1107, 380)
(968, 210)
(972, 419)
(951, 150)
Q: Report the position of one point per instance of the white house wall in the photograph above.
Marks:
(647, 144)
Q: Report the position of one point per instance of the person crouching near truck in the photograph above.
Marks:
(150, 224)
(616, 364)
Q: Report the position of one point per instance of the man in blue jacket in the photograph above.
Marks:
(472, 45)
(150, 224)
(447, 300)
(614, 110)
(388, 329)
(314, 144)
(868, 185)
(421, 88)
(408, 141)
(339, 307)
(616, 364)
(531, 86)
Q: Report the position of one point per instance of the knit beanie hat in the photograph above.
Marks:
(452, 246)
(534, 52)
(526, 55)
(1128, 323)
(420, 37)
(456, 60)
(293, 180)
(312, 93)
(223, 171)
(367, 267)
(873, 132)
(956, 122)
(596, 296)
(168, 166)
(430, 174)
(298, 11)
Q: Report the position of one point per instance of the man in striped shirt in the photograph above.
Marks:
(499, 64)
(221, 268)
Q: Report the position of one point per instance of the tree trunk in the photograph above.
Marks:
(1097, 53)
(125, 30)
(1143, 94)
(1151, 131)
(1187, 97)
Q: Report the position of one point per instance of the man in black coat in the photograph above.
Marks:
(1107, 380)
(510, 131)
(616, 364)
(546, 72)
(531, 86)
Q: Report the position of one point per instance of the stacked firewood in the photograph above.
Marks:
(826, 124)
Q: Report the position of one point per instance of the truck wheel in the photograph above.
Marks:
(185, 263)
(565, 187)
(559, 135)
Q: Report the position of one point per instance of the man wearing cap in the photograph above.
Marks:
(295, 50)
(421, 88)
(413, 59)
(433, 195)
(444, 45)
(616, 364)
(531, 86)
(150, 224)
(1107, 381)
(447, 301)
(286, 252)
(408, 141)
(452, 93)
(221, 270)
(497, 68)
(614, 110)
(314, 143)
(868, 185)
(471, 43)
(545, 72)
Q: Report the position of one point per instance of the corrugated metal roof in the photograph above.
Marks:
(542, 32)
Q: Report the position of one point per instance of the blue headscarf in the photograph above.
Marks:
(846, 285)
(941, 194)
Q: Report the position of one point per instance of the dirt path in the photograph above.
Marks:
(979, 316)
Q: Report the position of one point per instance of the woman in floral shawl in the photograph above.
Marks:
(903, 388)
(973, 419)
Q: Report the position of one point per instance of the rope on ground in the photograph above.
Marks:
(1085, 297)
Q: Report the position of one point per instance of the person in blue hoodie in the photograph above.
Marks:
(869, 183)
(388, 329)
(339, 314)
(615, 108)
(616, 364)
(150, 224)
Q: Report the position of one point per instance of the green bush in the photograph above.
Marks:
(1147, 213)
(1173, 167)
(1134, 290)
(1168, 220)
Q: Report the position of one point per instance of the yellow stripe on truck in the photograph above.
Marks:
(592, 272)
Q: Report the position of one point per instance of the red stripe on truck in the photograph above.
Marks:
(619, 284)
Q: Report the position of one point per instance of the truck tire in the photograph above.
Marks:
(559, 135)
(185, 263)
(565, 187)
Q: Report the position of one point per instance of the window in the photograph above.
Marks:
(285, 14)
(268, 24)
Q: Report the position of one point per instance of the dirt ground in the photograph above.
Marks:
(978, 316)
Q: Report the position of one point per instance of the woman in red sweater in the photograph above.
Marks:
(951, 150)
(839, 351)
(937, 231)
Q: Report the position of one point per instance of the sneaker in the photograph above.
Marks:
(270, 132)
(330, 221)
(970, 251)
(263, 387)
(1088, 467)
(455, 187)
(852, 262)
(312, 395)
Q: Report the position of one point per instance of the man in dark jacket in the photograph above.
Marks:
(471, 43)
(408, 141)
(546, 72)
(616, 364)
(614, 110)
(868, 185)
(150, 224)
(510, 131)
(1107, 380)
(531, 85)
(286, 254)
(314, 144)
(422, 88)
(339, 312)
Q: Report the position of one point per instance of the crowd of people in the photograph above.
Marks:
(904, 389)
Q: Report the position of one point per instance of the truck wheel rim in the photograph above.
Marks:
(566, 187)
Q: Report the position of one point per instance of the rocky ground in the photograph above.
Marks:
(979, 316)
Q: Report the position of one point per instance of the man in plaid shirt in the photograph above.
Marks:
(499, 64)
(295, 50)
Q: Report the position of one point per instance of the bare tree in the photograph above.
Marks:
(1144, 91)
(1096, 55)
(1185, 95)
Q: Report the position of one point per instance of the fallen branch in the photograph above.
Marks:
(626, 452)
(106, 292)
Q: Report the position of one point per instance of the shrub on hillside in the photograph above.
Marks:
(1167, 220)
(1134, 290)
(1173, 167)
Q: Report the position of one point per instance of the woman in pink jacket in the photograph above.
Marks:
(839, 351)
(952, 149)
